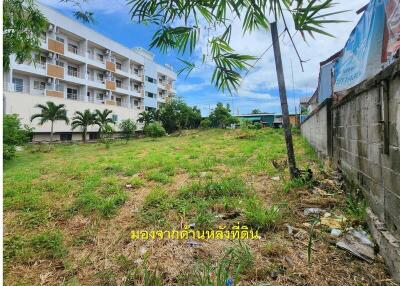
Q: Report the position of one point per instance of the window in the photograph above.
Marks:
(18, 84)
(40, 85)
(72, 48)
(60, 63)
(114, 117)
(136, 71)
(99, 57)
(136, 103)
(150, 79)
(93, 135)
(100, 77)
(118, 65)
(119, 101)
(66, 136)
(99, 96)
(118, 83)
(73, 71)
(150, 94)
(60, 39)
(40, 59)
(72, 93)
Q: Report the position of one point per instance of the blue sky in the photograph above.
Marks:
(259, 89)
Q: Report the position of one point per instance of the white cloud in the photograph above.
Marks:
(104, 6)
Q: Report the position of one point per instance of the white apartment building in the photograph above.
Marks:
(83, 69)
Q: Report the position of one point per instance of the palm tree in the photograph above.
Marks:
(83, 120)
(147, 117)
(51, 112)
(102, 119)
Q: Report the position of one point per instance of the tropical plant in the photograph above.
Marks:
(221, 116)
(13, 135)
(51, 112)
(23, 27)
(147, 117)
(154, 130)
(103, 120)
(83, 120)
(205, 123)
(177, 115)
(128, 128)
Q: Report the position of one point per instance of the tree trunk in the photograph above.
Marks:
(84, 136)
(284, 105)
(51, 132)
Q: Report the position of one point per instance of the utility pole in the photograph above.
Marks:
(284, 105)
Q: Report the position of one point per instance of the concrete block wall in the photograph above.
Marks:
(358, 150)
(352, 130)
(314, 128)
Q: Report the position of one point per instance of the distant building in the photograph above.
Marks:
(269, 119)
(266, 119)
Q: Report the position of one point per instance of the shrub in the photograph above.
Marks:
(128, 128)
(13, 135)
(8, 151)
(258, 125)
(205, 123)
(154, 130)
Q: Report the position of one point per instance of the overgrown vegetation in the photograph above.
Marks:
(13, 135)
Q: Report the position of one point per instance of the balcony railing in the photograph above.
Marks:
(95, 58)
(74, 73)
(13, 87)
(72, 49)
(72, 96)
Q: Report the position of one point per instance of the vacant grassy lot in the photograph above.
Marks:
(69, 213)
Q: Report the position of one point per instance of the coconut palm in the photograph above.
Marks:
(51, 112)
(147, 117)
(103, 119)
(83, 120)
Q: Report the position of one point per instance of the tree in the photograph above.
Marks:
(256, 111)
(221, 116)
(23, 26)
(196, 17)
(13, 135)
(128, 128)
(51, 112)
(103, 120)
(147, 117)
(83, 120)
(177, 115)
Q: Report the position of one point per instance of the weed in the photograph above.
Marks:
(296, 183)
(204, 218)
(260, 217)
(136, 182)
(151, 278)
(226, 187)
(273, 249)
(49, 244)
(158, 177)
(356, 208)
(155, 205)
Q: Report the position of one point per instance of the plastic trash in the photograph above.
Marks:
(358, 244)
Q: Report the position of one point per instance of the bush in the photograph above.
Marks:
(260, 217)
(205, 123)
(8, 152)
(154, 130)
(128, 128)
(258, 125)
(13, 135)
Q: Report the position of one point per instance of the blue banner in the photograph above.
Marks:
(370, 45)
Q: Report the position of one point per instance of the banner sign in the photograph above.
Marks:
(371, 45)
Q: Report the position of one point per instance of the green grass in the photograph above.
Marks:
(191, 178)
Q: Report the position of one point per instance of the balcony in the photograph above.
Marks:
(55, 46)
(96, 60)
(56, 91)
(14, 87)
(31, 67)
(55, 71)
